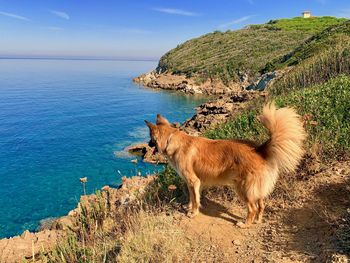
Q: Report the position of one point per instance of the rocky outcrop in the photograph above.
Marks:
(208, 115)
(28, 245)
(215, 112)
(18, 248)
(147, 153)
(168, 81)
(265, 80)
(233, 99)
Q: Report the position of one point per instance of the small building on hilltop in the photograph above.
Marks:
(306, 14)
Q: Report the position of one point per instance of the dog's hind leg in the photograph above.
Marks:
(252, 210)
(260, 210)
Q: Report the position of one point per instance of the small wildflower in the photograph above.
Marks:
(105, 188)
(83, 180)
(172, 187)
(307, 116)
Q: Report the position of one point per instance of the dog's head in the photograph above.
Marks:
(159, 133)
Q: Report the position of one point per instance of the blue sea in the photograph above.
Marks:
(61, 120)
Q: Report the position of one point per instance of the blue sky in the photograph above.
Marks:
(134, 29)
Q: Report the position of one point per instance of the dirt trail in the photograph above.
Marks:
(311, 224)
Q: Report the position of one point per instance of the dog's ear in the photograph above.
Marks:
(161, 120)
(150, 125)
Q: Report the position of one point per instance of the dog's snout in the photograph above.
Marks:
(151, 143)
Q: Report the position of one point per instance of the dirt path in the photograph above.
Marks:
(310, 223)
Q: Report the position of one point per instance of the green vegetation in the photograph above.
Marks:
(160, 194)
(322, 57)
(323, 66)
(93, 237)
(313, 24)
(326, 109)
(328, 38)
(226, 55)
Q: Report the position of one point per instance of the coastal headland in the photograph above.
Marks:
(299, 63)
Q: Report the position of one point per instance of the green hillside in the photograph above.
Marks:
(326, 39)
(322, 57)
(225, 54)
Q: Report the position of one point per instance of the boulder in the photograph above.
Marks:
(215, 112)
(148, 153)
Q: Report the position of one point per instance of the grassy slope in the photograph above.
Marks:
(222, 55)
(324, 56)
(314, 87)
(320, 42)
(326, 110)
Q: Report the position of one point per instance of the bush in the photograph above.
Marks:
(162, 189)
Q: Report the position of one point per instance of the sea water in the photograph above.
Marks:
(61, 120)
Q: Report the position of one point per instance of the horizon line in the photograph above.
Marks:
(78, 58)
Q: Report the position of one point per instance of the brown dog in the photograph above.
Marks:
(252, 170)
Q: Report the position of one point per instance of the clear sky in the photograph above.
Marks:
(134, 29)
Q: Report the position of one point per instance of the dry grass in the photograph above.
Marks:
(153, 238)
(143, 231)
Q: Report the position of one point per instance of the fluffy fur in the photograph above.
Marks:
(252, 169)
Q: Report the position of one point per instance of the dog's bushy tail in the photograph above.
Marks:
(283, 150)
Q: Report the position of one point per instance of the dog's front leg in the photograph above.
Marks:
(190, 196)
(194, 189)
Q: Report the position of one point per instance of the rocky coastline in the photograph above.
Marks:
(28, 246)
(181, 83)
(229, 102)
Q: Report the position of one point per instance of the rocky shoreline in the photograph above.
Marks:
(29, 245)
(181, 83)
(215, 112)
(229, 101)
(208, 115)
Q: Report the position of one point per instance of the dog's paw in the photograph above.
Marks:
(187, 207)
(259, 221)
(192, 214)
(242, 225)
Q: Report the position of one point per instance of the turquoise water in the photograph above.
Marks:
(63, 120)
